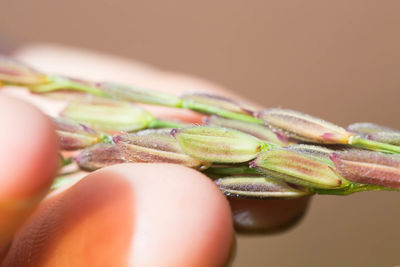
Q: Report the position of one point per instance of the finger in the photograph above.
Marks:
(129, 215)
(95, 66)
(28, 161)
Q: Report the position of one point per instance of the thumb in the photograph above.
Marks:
(129, 215)
(28, 162)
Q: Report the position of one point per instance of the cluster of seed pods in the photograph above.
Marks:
(252, 153)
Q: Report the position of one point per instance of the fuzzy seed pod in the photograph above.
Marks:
(214, 144)
(109, 116)
(99, 156)
(138, 94)
(368, 167)
(196, 100)
(257, 187)
(260, 131)
(297, 168)
(304, 127)
(73, 135)
(155, 146)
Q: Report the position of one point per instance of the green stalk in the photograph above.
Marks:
(65, 161)
(202, 108)
(230, 171)
(360, 142)
(351, 188)
(59, 83)
(156, 123)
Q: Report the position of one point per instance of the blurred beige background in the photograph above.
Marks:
(339, 60)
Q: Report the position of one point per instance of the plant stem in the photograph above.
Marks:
(374, 145)
(230, 170)
(59, 83)
(202, 108)
(65, 161)
(156, 123)
(352, 188)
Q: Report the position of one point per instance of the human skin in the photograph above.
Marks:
(124, 215)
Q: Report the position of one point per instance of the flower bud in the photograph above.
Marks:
(155, 146)
(376, 132)
(304, 127)
(297, 168)
(138, 94)
(109, 116)
(214, 144)
(14, 72)
(367, 167)
(99, 156)
(260, 131)
(257, 187)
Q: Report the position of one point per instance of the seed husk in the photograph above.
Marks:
(262, 132)
(215, 144)
(191, 100)
(155, 146)
(297, 168)
(304, 127)
(99, 156)
(367, 167)
(257, 187)
(73, 135)
(108, 116)
(139, 94)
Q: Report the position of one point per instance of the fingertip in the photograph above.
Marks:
(130, 215)
(182, 218)
(28, 162)
(29, 150)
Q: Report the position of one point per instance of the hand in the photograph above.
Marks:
(124, 215)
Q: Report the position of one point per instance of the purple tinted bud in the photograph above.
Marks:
(257, 187)
(368, 167)
(99, 156)
(73, 135)
(304, 127)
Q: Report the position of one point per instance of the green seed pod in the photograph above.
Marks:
(214, 144)
(109, 116)
(99, 156)
(14, 72)
(297, 168)
(368, 167)
(376, 132)
(73, 135)
(257, 187)
(155, 146)
(304, 127)
(260, 131)
(138, 94)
